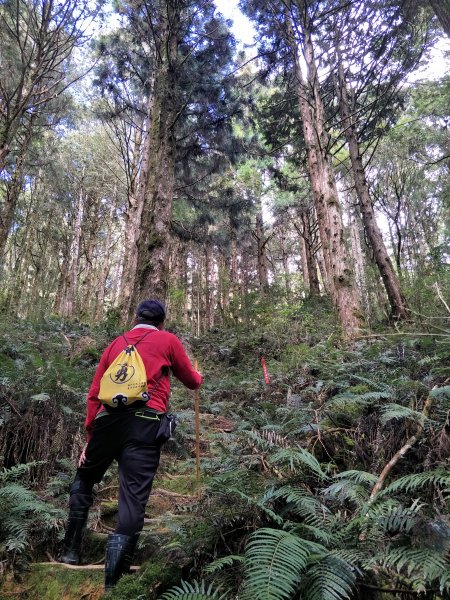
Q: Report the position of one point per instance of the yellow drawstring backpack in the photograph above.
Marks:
(125, 380)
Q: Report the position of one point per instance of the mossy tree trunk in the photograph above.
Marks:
(371, 228)
(337, 258)
(154, 242)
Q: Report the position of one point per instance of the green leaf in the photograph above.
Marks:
(275, 561)
(295, 458)
(392, 411)
(193, 591)
(441, 392)
(224, 562)
(408, 483)
(331, 578)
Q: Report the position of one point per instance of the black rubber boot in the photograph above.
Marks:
(74, 536)
(129, 555)
(119, 555)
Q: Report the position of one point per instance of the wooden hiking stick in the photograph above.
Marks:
(197, 432)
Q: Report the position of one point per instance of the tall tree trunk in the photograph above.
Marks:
(13, 190)
(373, 232)
(326, 200)
(208, 289)
(154, 241)
(285, 262)
(233, 262)
(442, 10)
(261, 242)
(105, 266)
(360, 276)
(304, 262)
(309, 263)
(69, 297)
(136, 200)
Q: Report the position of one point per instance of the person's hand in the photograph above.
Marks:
(82, 456)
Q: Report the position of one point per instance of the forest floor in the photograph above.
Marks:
(174, 497)
(330, 411)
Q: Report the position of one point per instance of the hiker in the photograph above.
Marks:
(128, 435)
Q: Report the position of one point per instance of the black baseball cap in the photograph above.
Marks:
(151, 310)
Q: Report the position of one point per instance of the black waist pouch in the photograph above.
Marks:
(168, 423)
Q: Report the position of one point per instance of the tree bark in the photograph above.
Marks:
(373, 232)
(314, 285)
(326, 200)
(154, 241)
(69, 294)
(261, 241)
(442, 10)
(136, 201)
(13, 190)
(285, 262)
(360, 276)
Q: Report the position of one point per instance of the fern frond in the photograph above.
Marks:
(193, 591)
(441, 392)
(347, 490)
(351, 556)
(395, 518)
(423, 565)
(259, 503)
(415, 481)
(343, 400)
(303, 504)
(331, 578)
(361, 477)
(306, 531)
(19, 470)
(295, 458)
(392, 411)
(378, 385)
(274, 562)
(223, 563)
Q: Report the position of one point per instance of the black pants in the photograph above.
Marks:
(128, 437)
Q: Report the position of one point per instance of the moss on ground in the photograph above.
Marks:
(55, 582)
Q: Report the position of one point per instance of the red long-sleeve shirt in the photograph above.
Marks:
(158, 350)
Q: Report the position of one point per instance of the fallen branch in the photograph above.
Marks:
(441, 297)
(403, 450)
(393, 590)
(383, 335)
(169, 493)
(10, 402)
(91, 567)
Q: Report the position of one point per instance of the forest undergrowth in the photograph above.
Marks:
(330, 482)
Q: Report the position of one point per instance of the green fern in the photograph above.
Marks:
(318, 534)
(390, 412)
(193, 591)
(392, 517)
(24, 517)
(274, 563)
(301, 503)
(424, 566)
(329, 578)
(223, 563)
(347, 490)
(259, 503)
(343, 400)
(441, 392)
(295, 458)
(360, 477)
(408, 483)
(19, 471)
